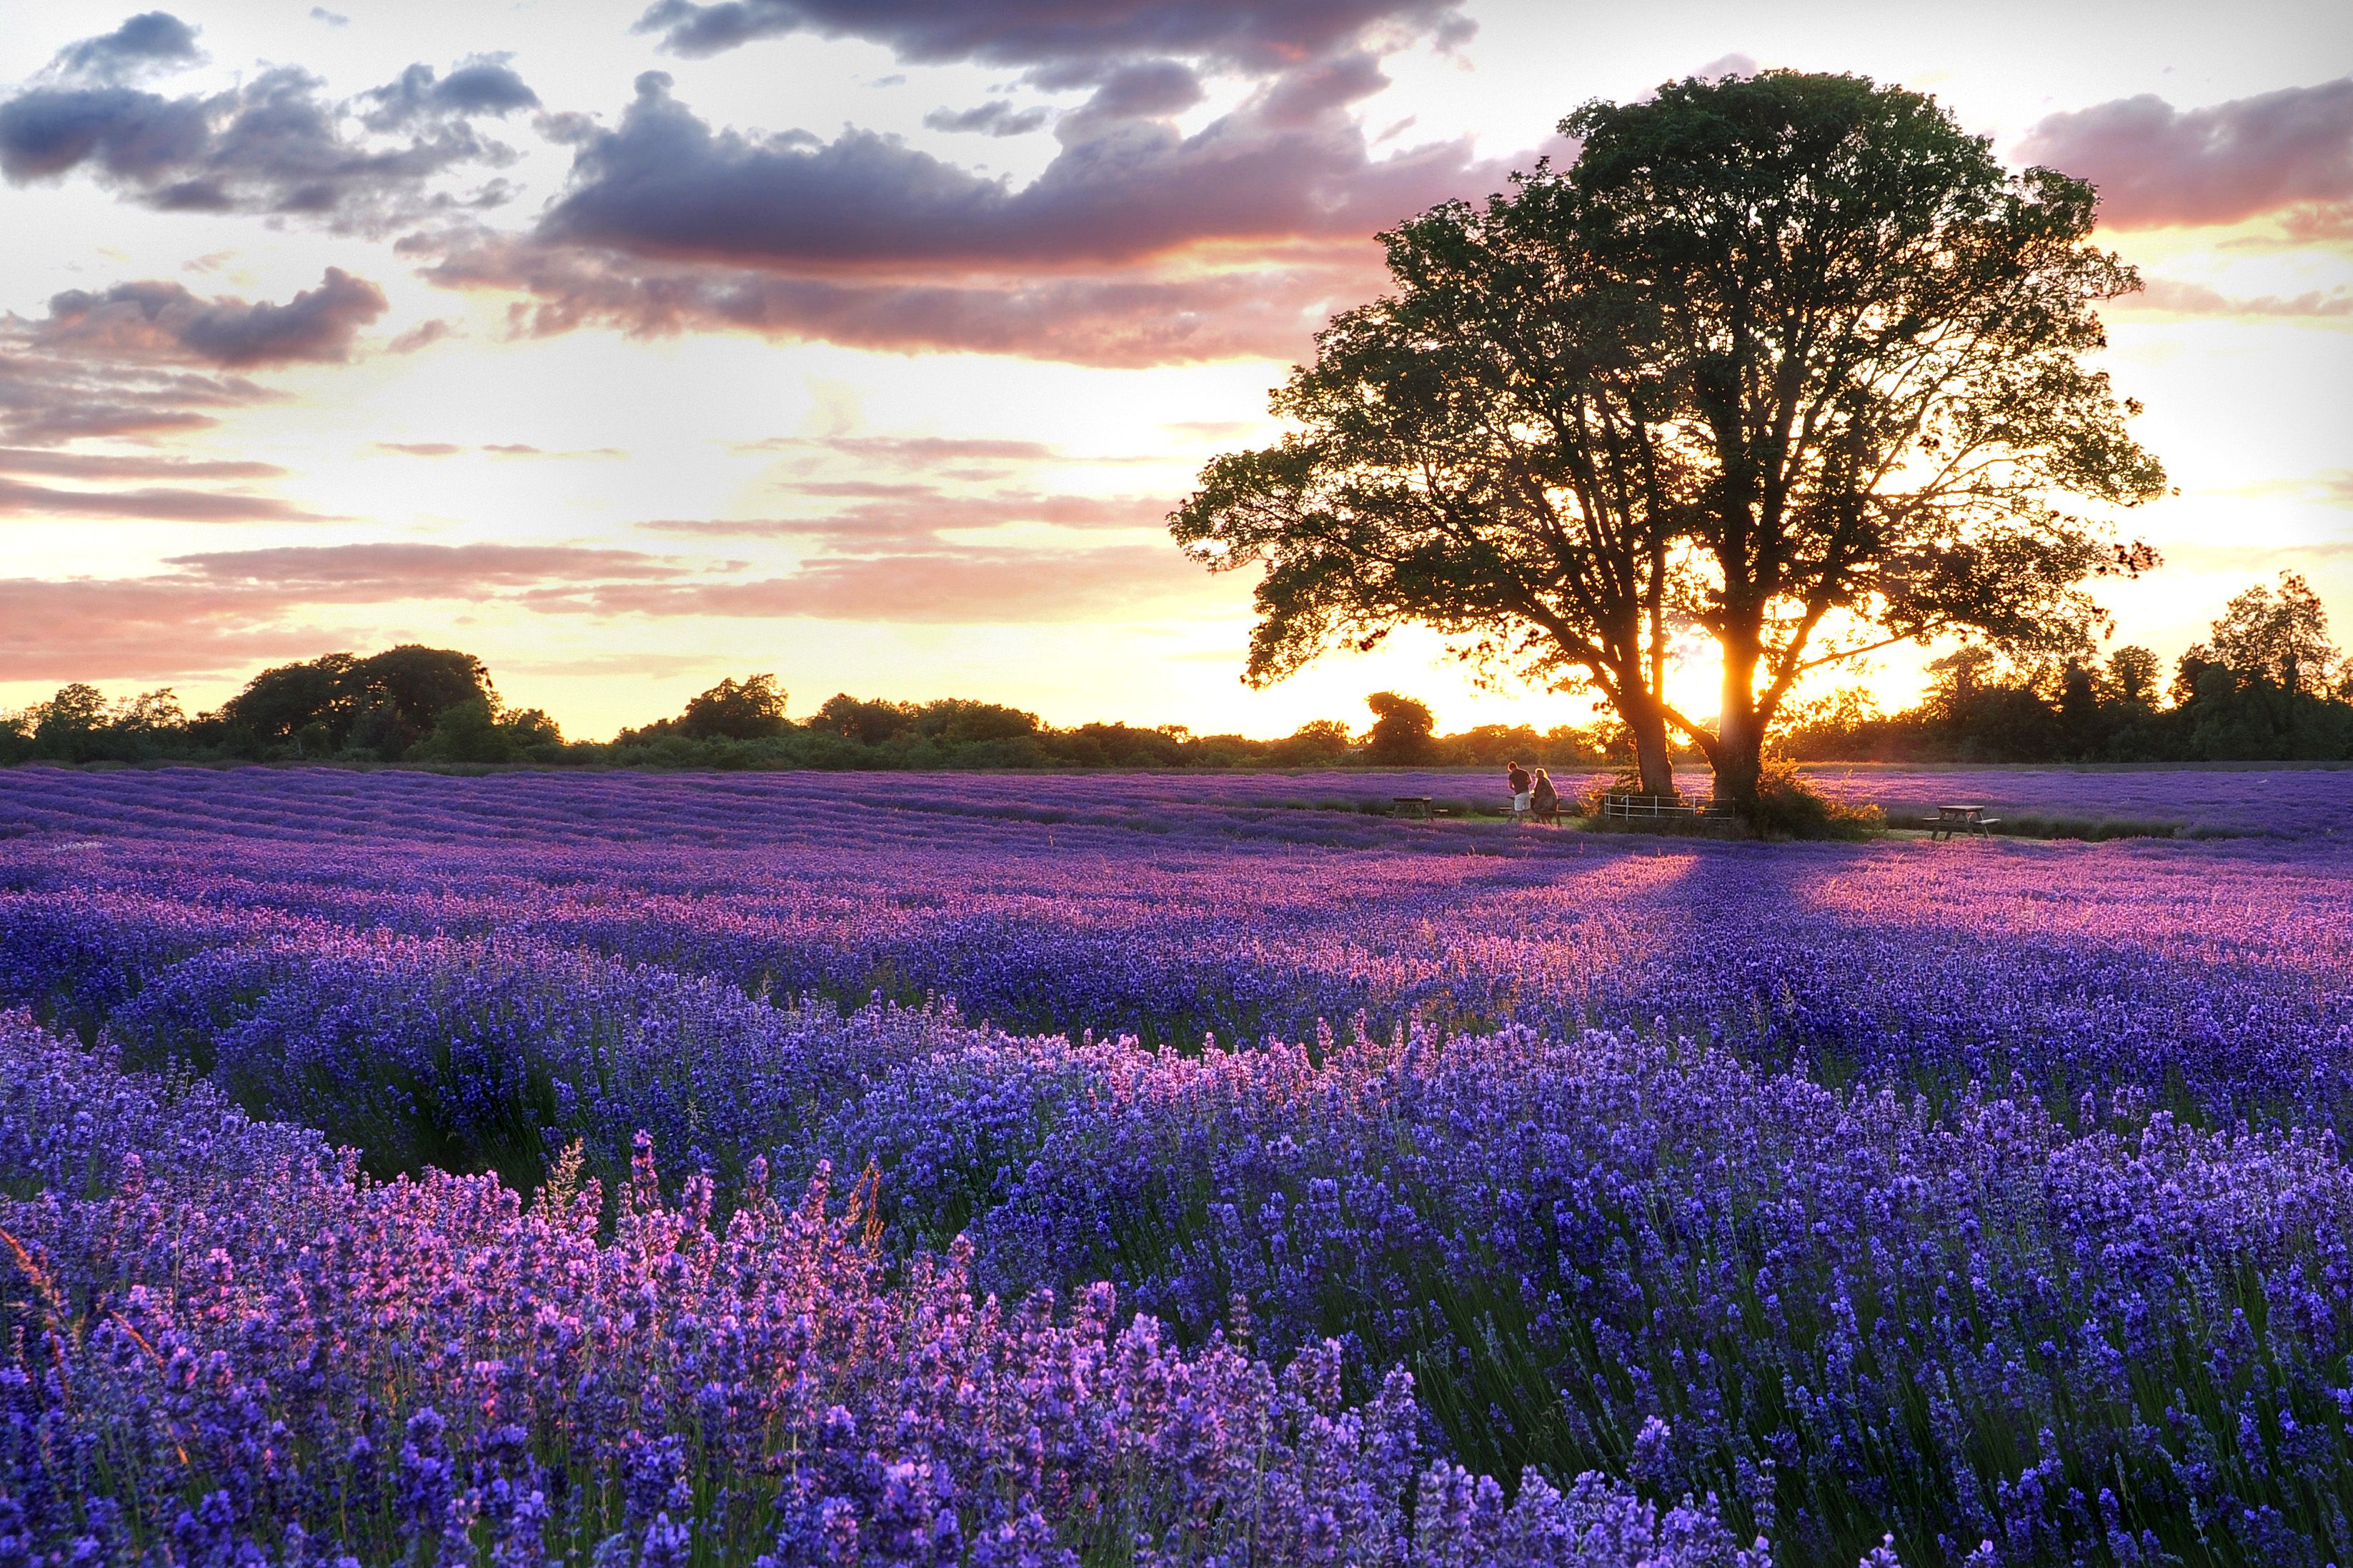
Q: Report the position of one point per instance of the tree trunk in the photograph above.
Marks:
(1739, 754)
(1649, 724)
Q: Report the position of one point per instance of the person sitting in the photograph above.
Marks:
(1544, 802)
(1517, 777)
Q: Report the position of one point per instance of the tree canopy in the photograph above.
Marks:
(1790, 358)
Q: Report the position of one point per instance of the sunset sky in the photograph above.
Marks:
(869, 344)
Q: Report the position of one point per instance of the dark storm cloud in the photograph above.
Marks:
(2287, 153)
(995, 118)
(151, 42)
(1244, 34)
(274, 145)
(164, 321)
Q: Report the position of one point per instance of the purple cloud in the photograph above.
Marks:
(1243, 34)
(274, 145)
(151, 42)
(2289, 152)
(164, 321)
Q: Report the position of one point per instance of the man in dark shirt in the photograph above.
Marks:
(1518, 778)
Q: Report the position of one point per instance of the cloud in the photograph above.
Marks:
(155, 503)
(1247, 35)
(910, 451)
(995, 118)
(1116, 322)
(381, 573)
(901, 515)
(225, 609)
(139, 628)
(136, 466)
(2163, 296)
(1143, 241)
(946, 587)
(1287, 166)
(422, 335)
(164, 321)
(492, 448)
(274, 145)
(143, 360)
(153, 42)
(2330, 487)
(331, 18)
(51, 394)
(484, 85)
(2287, 153)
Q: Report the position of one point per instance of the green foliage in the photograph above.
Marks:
(733, 710)
(1787, 807)
(1402, 730)
(476, 730)
(2259, 688)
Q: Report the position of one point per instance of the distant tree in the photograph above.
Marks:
(960, 720)
(316, 698)
(2133, 670)
(1317, 743)
(749, 709)
(2280, 636)
(378, 731)
(468, 732)
(2081, 710)
(531, 727)
(66, 726)
(418, 684)
(870, 723)
(1402, 729)
(1878, 339)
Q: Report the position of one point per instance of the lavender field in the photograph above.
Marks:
(1166, 1170)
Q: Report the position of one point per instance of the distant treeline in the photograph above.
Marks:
(2266, 685)
(414, 704)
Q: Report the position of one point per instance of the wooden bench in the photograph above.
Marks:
(1951, 819)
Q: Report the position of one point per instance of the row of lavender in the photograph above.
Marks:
(1998, 1336)
(1969, 1319)
(2213, 975)
(228, 1349)
(2269, 801)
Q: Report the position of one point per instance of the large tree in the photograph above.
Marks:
(1478, 454)
(1789, 358)
(1879, 338)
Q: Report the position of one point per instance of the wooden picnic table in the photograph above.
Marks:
(1951, 819)
(1411, 805)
